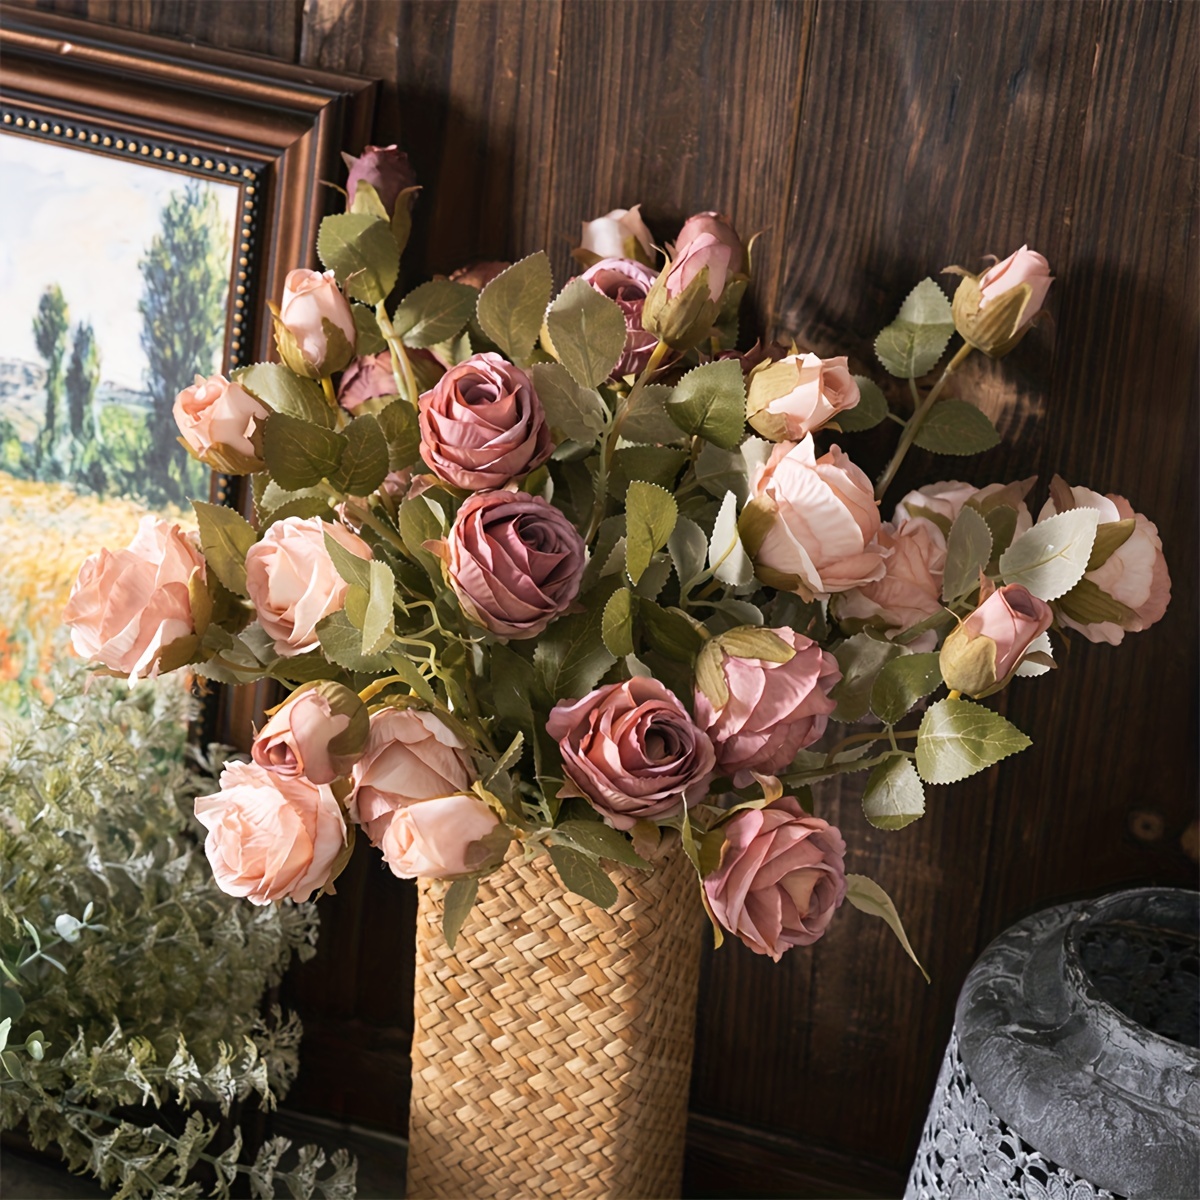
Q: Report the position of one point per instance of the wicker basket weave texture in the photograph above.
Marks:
(553, 1045)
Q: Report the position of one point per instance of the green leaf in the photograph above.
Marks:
(285, 392)
(956, 427)
(420, 521)
(752, 642)
(353, 568)
(1002, 525)
(710, 402)
(460, 898)
(860, 658)
(913, 343)
(594, 837)
(573, 412)
(299, 454)
(872, 407)
(669, 632)
(587, 330)
(867, 896)
(571, 655)
(1088, 604)
(1051, 558)
(434, 312)
(404, 666)
(512, 686)
(720, 471)
(510, 309)
(378, 629)
(368, 339)
(726, 554)
(958, 738)
(360, 250)
(367, 200)
(617, 624)
(926, 304)
(650, 516)
(582, 875)
(894, 796)
(688, 548)
(402, 433)
(901, 683)
(968, 550)
(647, 421)
(225, 539)
(1110, 537)
(341, 643)
(364, 460)
(650, 464)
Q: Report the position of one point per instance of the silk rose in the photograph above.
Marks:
(618, 234)
(627, 283)
(432, 838)
(386, 169)
(716, 225)
(990, 644)
(799, 394)
(366, 379)
(318, 319)
(994, 311)
(218, 420)
(318, 732)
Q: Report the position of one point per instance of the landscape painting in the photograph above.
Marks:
(118, 279)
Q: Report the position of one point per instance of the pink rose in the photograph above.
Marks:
(820, 518)
(990, 644)
(318, 732)
(385, 168)
(627, 283)
(618, 234)
(798, 395)
(514, 562)
(293, 583)
(218, 420)
(410, 756)
(1135, 574)
(631, 750)
(480, 274)
(482, 425)
(365, 379)
(782, 877)
(270, 837)
(703, 251)
(942, 502)
(310, 299)
(774, 709)
(126, 607)
(715, 225)
(1022, 266)
(432, 838)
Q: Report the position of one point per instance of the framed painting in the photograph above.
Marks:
(155, 196)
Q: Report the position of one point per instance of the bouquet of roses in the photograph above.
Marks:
(569, 574)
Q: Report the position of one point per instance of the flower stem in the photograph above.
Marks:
(406, 381)
(327, 388)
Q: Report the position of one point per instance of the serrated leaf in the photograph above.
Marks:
(968, 549)
(434, 312)
(1051, 558)
(688, 548)
(867, 896)
(571, 654)
(341, 643)
(669, 632)
(752, 642)
(956, 427)
(894, 796)
(460, 899)
(594, 837)
(364, 462)
(510, 309)
(353, 568)
(378, 628)
(1110, 537)
(710, 402)
(573, 412)
(368, 340)
(1038, 658)
(1088, 604)
(587, 330)
(646, 419)
(860, 658)
(512, 686)
(225, 539)
(402, 665)
(650, 464)
(284, 391)
(926, 304)
(582, 875)
(360, 250)
(719, 471)
(909, 351)
(654, 578)
(726, 555)
(958, 738)
(402, 433)
(872, 407)
(650, 515)
(298, 453)
(901, 683)
(419, 522)
(1002, 525)
(617, 624)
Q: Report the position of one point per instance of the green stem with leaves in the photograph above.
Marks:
(406, 381)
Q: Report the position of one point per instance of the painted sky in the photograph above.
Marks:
(81, 220)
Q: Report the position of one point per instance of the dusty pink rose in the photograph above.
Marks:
(716, 225)
(310, 299)
(126, 606)
(781, 879)
(942, 502)
(703, 251)
(798, 395)
(293, 583)
(618, 234)
(482, 425)
(1135, 575)
(480, 274)
(1022, 266)
(217, 420)
(627, 283)
(410, 756)
(514, 562)
(432, 838)
(385, 168)
(631, 750)
(270, 837)
(1010, 619)
(774, 709)
(365, 379)
(822, 521)
(318, 732)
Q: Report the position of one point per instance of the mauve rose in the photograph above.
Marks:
(627, 283)
(758, 354)
(270, 837)
(632, 752)
(1135, 574)
(718, 226)
(217, 420)
(482, 425)
(126, 606)
(774, 709)
(309, 299)
(822, 521)
(618, 234)
(385, 168)
(705, 250)
(798, 395)
(410, 756)
(514, 562)
(1022, 266)
(782, 877)
(942, 502)
(1010, 619)
(432, 838)
(365, 379)
(293, 583)
(480, 274)
(318, 732)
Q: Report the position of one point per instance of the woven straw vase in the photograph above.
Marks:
(553, 1046)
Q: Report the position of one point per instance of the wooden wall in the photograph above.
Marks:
(872, 142)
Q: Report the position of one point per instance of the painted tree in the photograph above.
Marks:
(50, 334)
(83, 377)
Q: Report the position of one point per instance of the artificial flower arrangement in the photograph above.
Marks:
(568, 575)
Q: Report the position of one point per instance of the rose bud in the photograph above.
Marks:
(480, 274)
(432, 838)
(319, 733)
(618, 234)
(366, 379)
(811, 523)
(796, 396)
(627, 283)
(685, 300)
(293, 583)
(942, 502)
(770, 710)
(271, 837)
(386, 169)
(1130, 589)
(514, 562)
(718, 226)
(782, 877)
(218, 420)
(410, 756)
(318, 326)
(993, 311)
(482, 425)
(988, 646)
(127, 607)
(632, 752)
